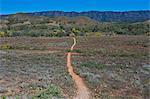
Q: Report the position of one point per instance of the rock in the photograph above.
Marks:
(2, 90)
(146, 66)
(2, 52)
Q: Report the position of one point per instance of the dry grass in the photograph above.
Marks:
(113, 66)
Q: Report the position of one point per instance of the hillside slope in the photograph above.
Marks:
(23, 24)
(106, 16)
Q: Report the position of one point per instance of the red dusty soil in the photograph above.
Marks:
(82, 90)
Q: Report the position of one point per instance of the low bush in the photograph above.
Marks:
(51, 92)
(92, 64)
(5, 46)
(76, 50)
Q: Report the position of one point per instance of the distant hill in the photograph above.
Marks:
(106, 16)
(24, 17)
(64, 24)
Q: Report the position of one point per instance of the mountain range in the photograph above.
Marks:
(59, 23)
(105, 16)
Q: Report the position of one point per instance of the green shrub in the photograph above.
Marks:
(92, 64)
(98, 34)
(93, 79)
(3, 97)
(68, 50)
(51, 92)
(77, 50)
(2, 34)
(5, 46)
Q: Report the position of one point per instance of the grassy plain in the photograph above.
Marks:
(111, 66)
(28, 66)
(114, 66)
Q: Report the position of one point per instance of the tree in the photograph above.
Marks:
(75, 31)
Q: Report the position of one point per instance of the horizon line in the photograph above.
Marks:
(26, 12)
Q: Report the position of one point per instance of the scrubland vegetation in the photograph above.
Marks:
(111, 66)
(114, 67)
(37, 26)
(35, 67)
(111, 55)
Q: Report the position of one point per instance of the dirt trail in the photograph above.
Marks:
(82, 90)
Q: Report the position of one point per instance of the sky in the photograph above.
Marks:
(15, 6)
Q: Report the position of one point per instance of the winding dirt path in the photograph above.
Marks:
(82, 90)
